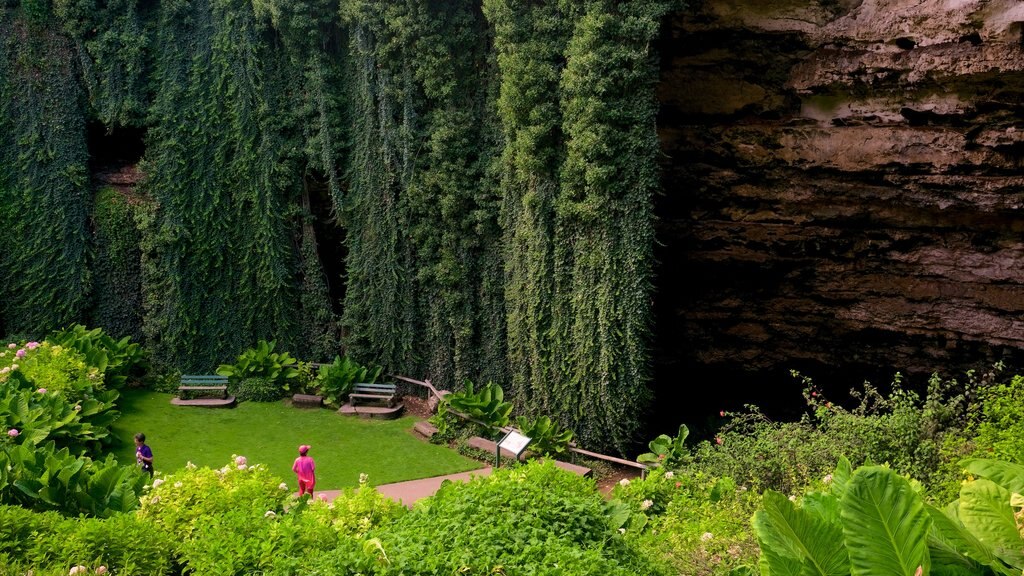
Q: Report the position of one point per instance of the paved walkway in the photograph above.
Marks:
(409, 492)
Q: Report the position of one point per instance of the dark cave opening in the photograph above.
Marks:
(114, 148)
(330, 238)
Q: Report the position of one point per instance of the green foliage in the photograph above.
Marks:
(44, 201)
(48, 393)
(125, 543)
(998, 423)
(487, 406)
(335, 380)
(546, 438)
(666, 451)
(579, 171)
(424, 257)
(258, 389)
(113, 45)
(219, 164)
(180, 501)
(262, 362)
(514, 521)
(695, 524)
(875, 523)
(20, 529)
(117, 273)
(117, 360)
(41, 477)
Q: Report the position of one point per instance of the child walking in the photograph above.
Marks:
(143, 454)
(305, 470)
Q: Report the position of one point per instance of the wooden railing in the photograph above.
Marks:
(506, 429)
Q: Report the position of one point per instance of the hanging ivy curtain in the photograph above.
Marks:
(44, 200)
(578, 110)
(424, 262)
(217, 169)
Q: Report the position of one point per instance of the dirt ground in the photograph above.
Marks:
(607, 475)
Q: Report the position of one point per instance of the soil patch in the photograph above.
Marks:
(416, 406)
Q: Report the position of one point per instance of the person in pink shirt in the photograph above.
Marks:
(305, 469)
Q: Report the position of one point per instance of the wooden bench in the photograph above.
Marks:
(373, 394)
(206, 386)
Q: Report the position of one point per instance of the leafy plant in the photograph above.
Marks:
(486, 406)
(117, 360)
(262, 362)
(45, 478)
(336, 379)
(666, 451)
(874, 521)
(546, 438)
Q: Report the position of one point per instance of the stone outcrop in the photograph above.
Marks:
(844, 184)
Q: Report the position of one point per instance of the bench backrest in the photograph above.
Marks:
(203, 380)
(384, 388)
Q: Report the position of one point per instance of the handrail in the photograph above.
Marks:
(427, 384)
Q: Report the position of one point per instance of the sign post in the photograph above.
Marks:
(514, 442)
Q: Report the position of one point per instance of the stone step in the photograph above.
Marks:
(424, 429)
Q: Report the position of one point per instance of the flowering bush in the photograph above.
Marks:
(60, 370)
(178, 501)
(703, 529)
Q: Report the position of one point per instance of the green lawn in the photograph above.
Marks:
(270, 433)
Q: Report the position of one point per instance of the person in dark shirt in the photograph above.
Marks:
(143, 454)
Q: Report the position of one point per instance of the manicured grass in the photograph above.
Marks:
(270, 433)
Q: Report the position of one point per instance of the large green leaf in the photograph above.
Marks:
(787, 533)
(885, 524)
(954, 550)
(986, 512)
(1009, 476)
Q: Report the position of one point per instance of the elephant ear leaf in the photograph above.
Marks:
(956, 551)
(795, 542)
(1005, 474)
(986, 512)
(885, 524)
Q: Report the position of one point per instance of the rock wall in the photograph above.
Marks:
(843, 194)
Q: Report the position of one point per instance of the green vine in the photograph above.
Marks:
(118, 265)
(44, 201)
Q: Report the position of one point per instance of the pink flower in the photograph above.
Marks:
(722, 413)
(101, 570)
(13, 433)
(32, 345)
(12, 345)
(814, 394)
(20, 353)
(718, 440)
(240, 461)
(41, 391)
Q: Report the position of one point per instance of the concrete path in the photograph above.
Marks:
(409, 492)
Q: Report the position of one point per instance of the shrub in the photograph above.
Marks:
(125, 543)
(20, 529)
(117, 360)
(697, 524)
(516, 520)
(487, 406)
(258, 389)
(177, 501)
